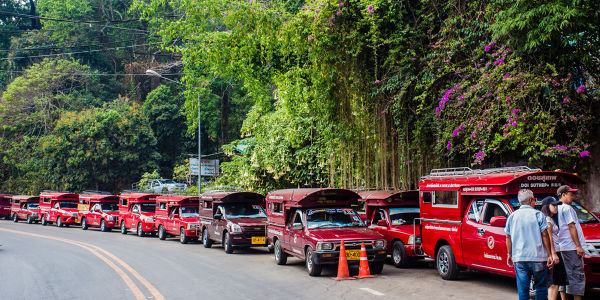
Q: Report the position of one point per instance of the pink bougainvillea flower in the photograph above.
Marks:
(566, 100)
(515, 123)
(580, 89)
(338, 13)
(488, 47)
(377, 81)
(547, 151)
(516, 111)
(330, 24)
(449, 146)
(507, 99)
(506, 75)
(370, 8)
(480, 155)
(341, 4)
(499, 62)
(584, 153)
(331, 19)
(413, 58)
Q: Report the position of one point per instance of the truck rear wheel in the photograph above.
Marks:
(103, 226)
(312, 267)
(446, 264)
(123, 228)
(29, 219)
(205, 239)
(44, 222)
(59, 221)
(227, 243)
(15, 218)
(280, 256)
(183, 238)
(399, 255)
(84, 225)
(162, 233)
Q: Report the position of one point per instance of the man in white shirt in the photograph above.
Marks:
(571, 241)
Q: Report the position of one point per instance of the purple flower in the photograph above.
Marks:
(330, 24)
(580, 89)
(480, 125)
(584, 153)
(507, 99)
(566, 100)
(338, 13)
(547, 151)
(331, 19)
(515, 123)
(449, 146)
(516, 111)
(341, 4)
(413, 58)
(370, 8)
(377, 81)
(506, 75)
(437, 111)
(479, 155)
(489, 46)
(499, 62)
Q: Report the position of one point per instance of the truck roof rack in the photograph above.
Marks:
(96, 192)
(227, 188)
(465, 171)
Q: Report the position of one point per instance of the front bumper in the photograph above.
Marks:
(244, 240)
(333, 257)
(148, 227)
(69, 220)
(192, 232)
(591, 268)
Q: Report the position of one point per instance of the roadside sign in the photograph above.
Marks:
(210, 167)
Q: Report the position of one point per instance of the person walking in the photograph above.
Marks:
(571, 242)
(528, 247)
(557, 276)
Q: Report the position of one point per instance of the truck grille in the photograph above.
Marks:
(596, 245)
(255, 230)
(354, 245)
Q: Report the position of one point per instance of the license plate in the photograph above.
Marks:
(258, 240)
(352, 254)
(76, 220)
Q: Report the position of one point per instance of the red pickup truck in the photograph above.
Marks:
(234, 219)
(98, 209)
(5, 206)
(394, 214)
(311, 224)
(25, 208)
(59, 207)
(178, 215)
(464, 212)
(136, 210)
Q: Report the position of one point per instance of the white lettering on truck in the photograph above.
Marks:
(435, 227)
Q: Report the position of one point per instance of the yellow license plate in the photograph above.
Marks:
(76, 220)
(352, 254)
(258, 240)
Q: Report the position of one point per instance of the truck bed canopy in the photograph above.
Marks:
(139, 197)
(314, 197)
(233, 197)
(389, 197)
(26, 198)
(59, 195)
(178, 199)
(98, 198)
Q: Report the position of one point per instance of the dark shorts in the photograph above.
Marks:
(558, 275)
(575, 273)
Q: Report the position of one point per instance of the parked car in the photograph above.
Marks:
(59, 207)
(136, 210)
(25, 208)
(98, 209)
(158, 186)
(178, 215)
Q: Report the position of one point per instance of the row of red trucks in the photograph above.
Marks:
(456, 217)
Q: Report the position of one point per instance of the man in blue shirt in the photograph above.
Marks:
(528, 246)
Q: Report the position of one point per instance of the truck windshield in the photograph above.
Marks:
(189, 212)
(332, 217)
(234, 211)
(147, 207)
(403, 215)
(33, 205)
(166, 181)
(109, 207)
(67, 204)
(584, 216)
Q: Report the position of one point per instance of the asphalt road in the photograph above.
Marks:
(39, 262)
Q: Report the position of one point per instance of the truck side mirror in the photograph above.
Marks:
(96, 209)
(297, 226)
(218, 216)
(498, 221)
(382, 223)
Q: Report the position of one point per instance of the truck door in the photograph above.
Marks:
(171, 223)
(133, 216)
(470, 237)
(219, 225)
(94, 215)
(380, 215)
(295, 237)
(493, 239)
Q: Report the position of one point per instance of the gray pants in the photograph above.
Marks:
(575, 273)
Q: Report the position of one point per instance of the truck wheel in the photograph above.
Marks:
(312, 267)
(44, 223)
(103, 226)
(84, 225)
(280, 256)
(184, 239)
(162, 233)
(59, 221)
(140, 230)
(376, 268)
(29, 219)
(15, 218)
(123, 228)
(399, 255)
(227, 243)
(446, 264)
(205, 239)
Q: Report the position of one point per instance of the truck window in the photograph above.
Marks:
(173, 210)
(46, 200)
(276, 208)
(234, 211)
(445, 198)
(189, 212)
(426, 196)
(56, 205)
(207, 204)
(95, 206)
(297, 220)
(148, 207)
(67, 204)
(33, 205)
(109, 207)
(123, 202)
(475, 210)
(135, 209)
(162, 205)
(403, 215)
(378, 215)
(492, 210)
(332, 218)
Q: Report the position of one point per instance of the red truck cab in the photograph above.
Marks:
(59, 207)
(464, 213)
(394, 214)
(234, 219)
(5, 206)
(25, 208)
(311, 223)
(178, 215)
(137, 210)
(98, 209)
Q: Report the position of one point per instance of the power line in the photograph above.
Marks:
(80, 52)
(97, 74)
(47, 47)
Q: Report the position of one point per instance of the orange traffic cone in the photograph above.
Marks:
(343, 273)
(363, 270)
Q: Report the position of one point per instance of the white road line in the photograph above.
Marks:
(372, 291)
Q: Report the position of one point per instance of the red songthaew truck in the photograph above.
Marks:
(5, 206)
(177, 215)
(98, 209)
(25, 208)
(464, 213)
(59, 207)
(311, 224)
(234, 219)
(136, 210)
(394, 214)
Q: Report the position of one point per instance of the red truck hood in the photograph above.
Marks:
(410, 229)
(148, 214)
(249, 221)
(191, 220)
(347, 234)
(591, 231)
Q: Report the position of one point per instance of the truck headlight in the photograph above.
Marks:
(411, 240)
(235, 227)
(590, 250)
(379, 244)
(324, 246)
(147, 219)
(193, 226)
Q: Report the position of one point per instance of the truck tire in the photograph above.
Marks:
(446, 264)
(376, 268)
(312, 268)
(44, 222)
(140, 230)
(29, 219)
(205, 239)
(15, 218)
(103, 227)
(183, 238)
(280, 256)
(84, 225)
(227, 243)
(162, 233)
(59, 221)
(399, 257)
(123, 228)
